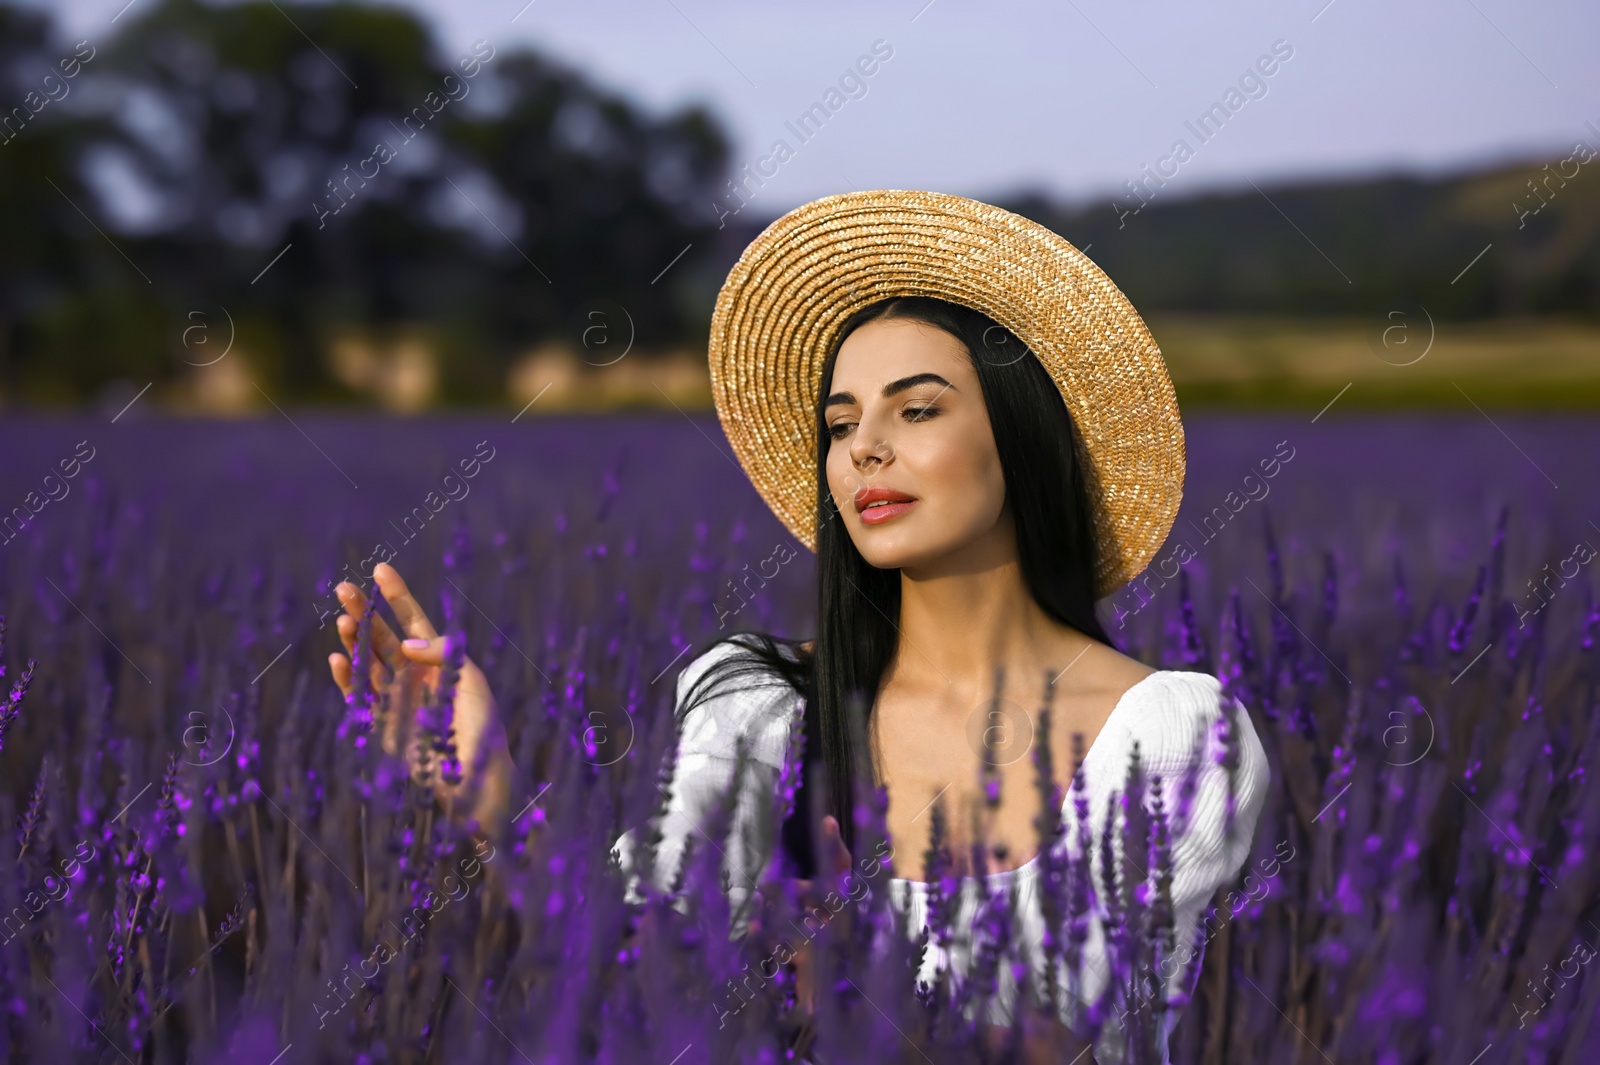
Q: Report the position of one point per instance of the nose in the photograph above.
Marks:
(861, 454)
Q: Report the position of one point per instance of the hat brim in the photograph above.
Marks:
(783, 303)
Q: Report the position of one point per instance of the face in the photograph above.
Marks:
(907, 423)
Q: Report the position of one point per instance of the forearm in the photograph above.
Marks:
(492, 794)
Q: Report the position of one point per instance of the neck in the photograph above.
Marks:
(972, 611)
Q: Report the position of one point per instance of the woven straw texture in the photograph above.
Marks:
(782, 304)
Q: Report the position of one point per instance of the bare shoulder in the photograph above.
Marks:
(1173, 714)
(1103, 673)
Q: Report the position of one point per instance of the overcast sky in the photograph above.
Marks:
(1073, 98)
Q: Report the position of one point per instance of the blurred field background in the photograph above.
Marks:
(196, 187)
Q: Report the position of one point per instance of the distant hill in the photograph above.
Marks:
(1352, 247)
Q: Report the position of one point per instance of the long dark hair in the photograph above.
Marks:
(858, 604)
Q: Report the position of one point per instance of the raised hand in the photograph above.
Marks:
(405, 670)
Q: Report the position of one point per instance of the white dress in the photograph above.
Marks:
(1164, 712)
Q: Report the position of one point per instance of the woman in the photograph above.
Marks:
(973, 429)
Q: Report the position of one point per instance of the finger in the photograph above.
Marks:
(384, 641)
(426, 652)
(380, 668)
(346, 626)
(412, 617)
(339, 666)
(833, 841)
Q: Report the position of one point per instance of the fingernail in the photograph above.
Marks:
(416, 644)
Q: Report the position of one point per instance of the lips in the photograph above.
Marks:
(878, 497)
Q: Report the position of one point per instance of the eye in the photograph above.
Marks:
(837, 430)
(919, 414)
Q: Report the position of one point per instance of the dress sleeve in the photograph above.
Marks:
(1206, 855)
(760, 709)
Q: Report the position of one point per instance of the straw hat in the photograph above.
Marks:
(780, 310)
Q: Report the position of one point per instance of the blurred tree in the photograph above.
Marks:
(488, 194)
(47, 260)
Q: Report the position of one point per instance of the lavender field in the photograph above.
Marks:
(211, 861)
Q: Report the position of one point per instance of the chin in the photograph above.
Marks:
(924, 539)
(881, 559)
(882, 551)
(896, 549)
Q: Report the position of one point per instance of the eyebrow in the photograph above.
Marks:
(891, 388)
